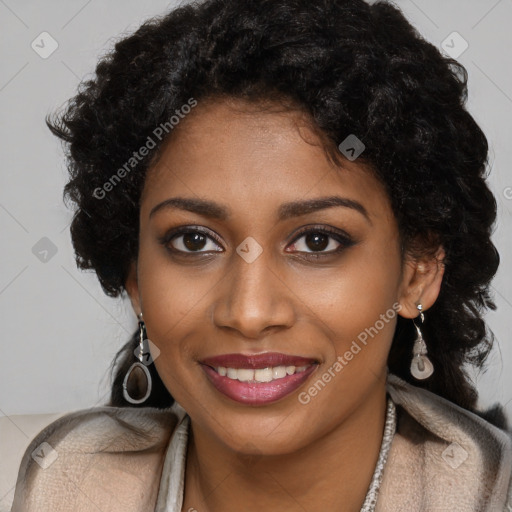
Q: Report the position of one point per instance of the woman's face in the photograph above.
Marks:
(243, 263)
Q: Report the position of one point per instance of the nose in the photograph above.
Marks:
(253, 299)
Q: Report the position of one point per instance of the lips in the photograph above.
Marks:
(257, 379)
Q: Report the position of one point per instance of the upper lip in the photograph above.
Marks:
(257, 361)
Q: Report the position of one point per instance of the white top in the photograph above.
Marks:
(172, 483)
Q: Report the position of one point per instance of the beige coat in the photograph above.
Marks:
(108, 459)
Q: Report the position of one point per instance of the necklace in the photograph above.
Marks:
(389, 432)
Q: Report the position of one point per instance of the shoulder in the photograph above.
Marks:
(445, 457)
(107, 458)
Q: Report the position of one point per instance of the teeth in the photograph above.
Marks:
(244, 375)
(263, 375)
(278, 372)
(259, 375)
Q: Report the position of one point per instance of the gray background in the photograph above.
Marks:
(59, 332)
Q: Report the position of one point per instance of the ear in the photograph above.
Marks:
(421, 283)
(132, 288)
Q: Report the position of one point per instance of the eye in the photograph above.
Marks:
(190, 240)
(322, 240)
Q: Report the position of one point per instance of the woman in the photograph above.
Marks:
(293, 196)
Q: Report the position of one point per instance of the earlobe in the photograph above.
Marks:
(132, 288)
(421, 283)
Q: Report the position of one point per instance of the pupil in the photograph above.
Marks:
(194, 241)
(319, 241)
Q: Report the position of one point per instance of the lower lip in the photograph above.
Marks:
(258, 393)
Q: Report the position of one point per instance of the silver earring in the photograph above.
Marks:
(138, 371)
(421, 366)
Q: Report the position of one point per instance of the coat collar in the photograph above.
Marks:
(442, 458)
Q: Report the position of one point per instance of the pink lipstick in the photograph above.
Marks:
(258, 379)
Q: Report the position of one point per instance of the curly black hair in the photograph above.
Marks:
(353, 68)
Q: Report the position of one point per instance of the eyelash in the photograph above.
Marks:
(342, 238)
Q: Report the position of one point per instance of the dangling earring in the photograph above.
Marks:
(138, 371)
(421, 366)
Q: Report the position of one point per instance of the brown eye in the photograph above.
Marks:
(194, 241)
(320, 241)
(190, 241)
(316, 241)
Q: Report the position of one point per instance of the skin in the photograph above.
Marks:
(287, 455)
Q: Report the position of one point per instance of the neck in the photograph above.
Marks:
(333, 473)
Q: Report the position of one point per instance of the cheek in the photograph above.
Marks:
(356, 293)
(360, 307)
(171, 293)
(173, 302)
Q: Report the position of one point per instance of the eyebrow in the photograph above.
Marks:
(286, 211)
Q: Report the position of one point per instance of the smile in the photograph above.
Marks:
(257, 379)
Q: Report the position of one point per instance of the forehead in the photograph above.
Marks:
(256, 155)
